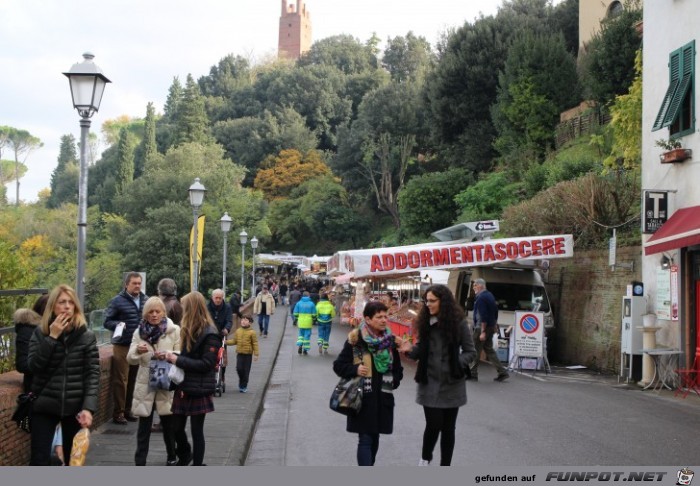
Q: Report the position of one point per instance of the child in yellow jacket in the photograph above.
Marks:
(246, 341)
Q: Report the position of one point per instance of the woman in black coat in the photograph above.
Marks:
(371, 352)
(199, 346)
(66, 364)
(26, 321)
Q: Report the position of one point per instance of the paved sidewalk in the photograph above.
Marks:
(228, 430)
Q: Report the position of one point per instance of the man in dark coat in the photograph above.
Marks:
(122, 317)
(294, 297)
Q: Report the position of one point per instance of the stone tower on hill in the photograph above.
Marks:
(295, 30)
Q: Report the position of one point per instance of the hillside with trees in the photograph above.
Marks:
(352, 146)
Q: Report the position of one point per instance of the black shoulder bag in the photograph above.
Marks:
(25, 407)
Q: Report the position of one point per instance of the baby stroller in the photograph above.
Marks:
(220, 365)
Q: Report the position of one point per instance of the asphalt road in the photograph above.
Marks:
(564, 419)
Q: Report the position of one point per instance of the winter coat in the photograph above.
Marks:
(246, 341)
(325, 311)
(377, 412)
(305, 313)
(446, 388)
(26, 321)
(144, 395)
(222, 315)
(173, 308)
(66, 372)
(199, 364)
(294, 297)
(269, 304)
(122, 308)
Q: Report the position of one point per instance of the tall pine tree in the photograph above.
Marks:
(67, 153)
(149, 149)
(191, 121)
(125, 161)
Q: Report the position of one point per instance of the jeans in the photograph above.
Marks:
(367, 447)
(43, 430)
(490, 353)
(439, 421)
(143, 438)
(264, 323)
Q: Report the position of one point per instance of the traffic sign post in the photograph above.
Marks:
(528, 339)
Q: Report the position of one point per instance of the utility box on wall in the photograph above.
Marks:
(631, 340)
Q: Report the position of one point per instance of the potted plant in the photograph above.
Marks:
(674, 151)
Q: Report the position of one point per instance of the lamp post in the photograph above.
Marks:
(225, 228)
(254, 245)
(196, 191)
(244, 239)
(87, 85)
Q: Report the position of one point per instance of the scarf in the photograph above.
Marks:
(151, 333)
(379, 346)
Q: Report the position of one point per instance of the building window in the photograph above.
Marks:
(614, 9)
(677, 110)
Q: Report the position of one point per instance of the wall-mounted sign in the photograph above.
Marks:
(655, 211)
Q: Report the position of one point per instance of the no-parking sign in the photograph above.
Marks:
(529, 333)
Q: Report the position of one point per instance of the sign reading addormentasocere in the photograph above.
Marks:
(407, 259)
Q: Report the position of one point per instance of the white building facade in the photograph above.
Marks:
(671, 188)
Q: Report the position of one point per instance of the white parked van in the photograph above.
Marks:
(516, 287)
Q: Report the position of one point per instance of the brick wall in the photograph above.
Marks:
(587, 300)
(14, 443)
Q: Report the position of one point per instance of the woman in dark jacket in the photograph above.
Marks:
(199, 342)
(371, 352)
(444, 349)
(26, 321)
(64, 359)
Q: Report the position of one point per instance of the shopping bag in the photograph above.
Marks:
(158, 372)
(346, 398)
(176, 374)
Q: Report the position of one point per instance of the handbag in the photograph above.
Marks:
(159, 374)
(346, 398)
(176, 374)
(23, 412)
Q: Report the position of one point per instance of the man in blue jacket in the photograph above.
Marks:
(485, 325)
(122, 317)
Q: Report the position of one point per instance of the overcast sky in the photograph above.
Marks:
(140, 45)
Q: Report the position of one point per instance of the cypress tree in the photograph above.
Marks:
(125, 161)
(67, 153)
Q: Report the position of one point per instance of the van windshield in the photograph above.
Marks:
(516, 297)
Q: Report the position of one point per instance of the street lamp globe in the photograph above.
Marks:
(87, 85)
(196, 191)
(225, 223)
(254, 243)
(244, 237)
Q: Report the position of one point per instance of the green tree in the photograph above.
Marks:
(125, 161)
(67, 154)
(408, 58)
(22, 144)
(192, 124)
(487, 198)
(539, 81)
(427, 202)
(343, 52)
(149, 145)
(608, 62)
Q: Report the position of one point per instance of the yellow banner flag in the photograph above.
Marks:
(200, 243)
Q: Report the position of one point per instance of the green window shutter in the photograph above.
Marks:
(675, 74)
(675, 104)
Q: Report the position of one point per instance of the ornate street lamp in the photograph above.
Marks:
(196, 191)
(87, 84)
(254, 245)
(244, 239)
(225, 228)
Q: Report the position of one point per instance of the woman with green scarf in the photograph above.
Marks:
(371, 352)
